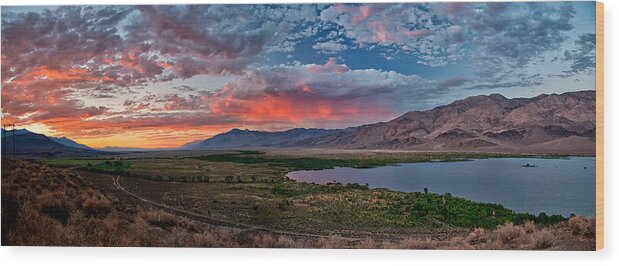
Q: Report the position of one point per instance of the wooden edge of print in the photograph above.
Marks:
(599, 133)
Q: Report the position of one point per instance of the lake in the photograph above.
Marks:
(554, 186)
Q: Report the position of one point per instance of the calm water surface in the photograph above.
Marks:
(555, 186)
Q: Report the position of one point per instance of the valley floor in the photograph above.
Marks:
(243, 203)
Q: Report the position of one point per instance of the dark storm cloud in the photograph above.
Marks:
(514, 84)
(217, 39)
(510, 35)
(453, 82)
(56, 39)
(126, 46)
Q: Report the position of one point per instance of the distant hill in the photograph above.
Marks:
(237, 138)
(125, 149)
(69, 142)
(29, 144)
(546, 123)
(17, 132)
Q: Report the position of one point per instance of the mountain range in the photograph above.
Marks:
(125, 149)
(238, 138)
(30, 144)
(563, 123)
(546, 123)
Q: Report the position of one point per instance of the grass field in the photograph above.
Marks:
(251, 187)
(331, 208)
(73, 162)
(246, 166)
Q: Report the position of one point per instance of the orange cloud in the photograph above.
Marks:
(327, 95)
(364, 12)
(296, 109)
(48, 74)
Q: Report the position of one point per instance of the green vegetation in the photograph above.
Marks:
(110, 166)
(97, 165)
(251, 187)
(413, 209)
(72, 162)
(253, 166)
(297, 163)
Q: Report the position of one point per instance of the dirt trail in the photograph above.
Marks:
(223, 223)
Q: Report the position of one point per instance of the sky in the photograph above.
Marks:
(162, 76)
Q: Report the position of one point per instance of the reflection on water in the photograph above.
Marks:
(553, 186)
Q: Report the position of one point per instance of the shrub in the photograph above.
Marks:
(56, 205)
(477, 236)
(76, 231)
(543, 239)
(333, 241)
(288, 242)
(415, 243)
(205, 239)
(97, 206)
(264, 241)
(138, 229)
(160, 218)
(188, 224)
(284, 204)
(507, 233)
(178, 237)
(529, 227)
(582, 226)
(33, 229)
(368, 243)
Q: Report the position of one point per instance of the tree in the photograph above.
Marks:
(425, 190)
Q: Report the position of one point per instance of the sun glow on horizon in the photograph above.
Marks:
(155, 77)
(146, 139)
(124, 141)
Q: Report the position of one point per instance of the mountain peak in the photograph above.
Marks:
(237, 138)
(497, 97)
(490, 122)
(22, 131)
(237, 130)
(30, 144)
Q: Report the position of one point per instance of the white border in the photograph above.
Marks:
(189, 256)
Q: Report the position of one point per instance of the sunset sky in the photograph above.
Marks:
(161, 76)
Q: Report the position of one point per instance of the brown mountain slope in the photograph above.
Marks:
(490, 122)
